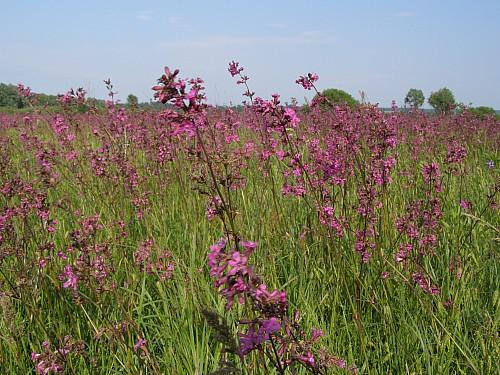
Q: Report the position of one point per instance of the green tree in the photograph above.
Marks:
(415, 98)
(132, 101)
(20, 102)
(482, 111)
(9, 96)
(44, 99)
(337, 96)
(442, 100)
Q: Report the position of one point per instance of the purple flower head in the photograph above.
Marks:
(24, 91)
(234, 68)
(431, 172)
(214, 207)
(456, 154)
(140, 344)
(291, 117)
(425, 283)
(263, 106)
(316, 334)
(271, 326)
(466, 205)
(307, 359)
(256, 337)
(403, 253)
(272, 302)
(248, 246)
(70, 277)
(307, 81)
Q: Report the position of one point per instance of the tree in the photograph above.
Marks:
(415, 98)
(20, 102)
(44, 99)
(442, 100)
(483, 112)
(132, 101)
(337, 96)
(9, 96)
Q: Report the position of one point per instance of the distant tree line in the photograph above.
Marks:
(9, 97)
(443, 101)
(11, 100)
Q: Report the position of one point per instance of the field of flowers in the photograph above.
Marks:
(269, 240)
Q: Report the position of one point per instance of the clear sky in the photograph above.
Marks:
(383, 47)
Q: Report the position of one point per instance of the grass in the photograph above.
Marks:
(383, 326)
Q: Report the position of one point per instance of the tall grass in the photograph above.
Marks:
(373, 314)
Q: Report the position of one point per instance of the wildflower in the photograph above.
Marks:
(253, 338)
(425, 283)
(448, 304)
(316, 334)
(456, 154)
(53, 361)
(70, 277)
(234, 68)
(466, 205)
(291, 117)
(214, 207)
(307, 359)
(140, 344)
(24, 91)
(248, 245)
(431, 172)
(403, 253)
(307, 82)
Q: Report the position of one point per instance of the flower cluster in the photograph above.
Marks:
(269, 331)
(174, 90)
(154, 262)
(53, 361)
(307, 81)
(72, 97)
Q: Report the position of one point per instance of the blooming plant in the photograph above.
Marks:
(119, 227)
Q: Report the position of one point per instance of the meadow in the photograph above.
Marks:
(268, 240)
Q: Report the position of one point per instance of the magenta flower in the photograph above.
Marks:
(140, 344)
(425, 283)
(291, 117)
(254, 338)
(466, 205)
(316, 334)
(248, 245)
(70, 277)
(431, 172)
(307, 359)
(403, 253)
(307, 81)
(23, 91)
(234, 68)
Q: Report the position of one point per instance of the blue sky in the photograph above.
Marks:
(381, 47)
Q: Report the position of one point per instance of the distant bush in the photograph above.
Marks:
(337, 96)
(482, 111)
